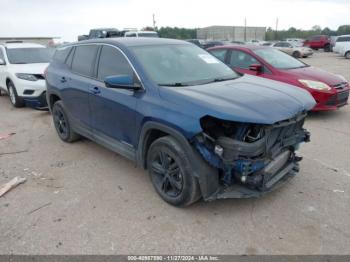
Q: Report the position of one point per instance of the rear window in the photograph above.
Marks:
(61, 54)
(84, 59)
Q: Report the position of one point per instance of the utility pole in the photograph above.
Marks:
(276, 28)
(154, 23)
(245, 29)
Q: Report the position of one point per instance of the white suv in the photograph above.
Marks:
(22, 67)
(340, 42)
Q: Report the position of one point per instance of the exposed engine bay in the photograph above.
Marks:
(254, 155)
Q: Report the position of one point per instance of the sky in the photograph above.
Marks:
(69, 18)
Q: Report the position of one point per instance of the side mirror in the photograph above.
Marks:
(122, 82)
(2, 62)
(256, 67)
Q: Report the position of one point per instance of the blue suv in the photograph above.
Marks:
(200, 129)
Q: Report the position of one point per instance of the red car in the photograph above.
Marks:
(319, 41)
(330, 91)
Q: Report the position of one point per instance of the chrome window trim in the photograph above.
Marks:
(117, 48)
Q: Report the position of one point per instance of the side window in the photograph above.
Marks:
(219, 54)
(241, 59)
(111, 63)
(61, 54)
(2, 55)
(84, 58)
(278, 45)
(131, 35)
(69, 59)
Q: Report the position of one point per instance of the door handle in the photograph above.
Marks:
(63, 79)
(95, 90)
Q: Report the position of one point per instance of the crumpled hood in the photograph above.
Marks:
(38, 68)
(246, 99)
(316, 74)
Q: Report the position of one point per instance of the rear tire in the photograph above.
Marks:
(171, 172)
(62, 123)
(327, 48)
(16, 101)
(347, 55)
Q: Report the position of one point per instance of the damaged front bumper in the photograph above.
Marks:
(254, 164)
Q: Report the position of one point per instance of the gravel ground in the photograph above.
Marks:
(83, 199)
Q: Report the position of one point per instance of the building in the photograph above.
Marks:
(47, 41)
(231, 33)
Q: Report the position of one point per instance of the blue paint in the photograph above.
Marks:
(121, 114)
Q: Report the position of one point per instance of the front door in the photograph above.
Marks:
(113, 109)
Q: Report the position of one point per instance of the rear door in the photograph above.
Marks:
(78, 84)
(113, 109)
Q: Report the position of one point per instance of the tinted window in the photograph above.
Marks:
(241, 59)
(84, 58)
(343, 39)
(220, 54)
(29, 55)
(61, 54)
(278, 45)
(131, 35)
(112, 62)
(69, 59)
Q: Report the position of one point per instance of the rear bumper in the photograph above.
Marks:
(38, 102)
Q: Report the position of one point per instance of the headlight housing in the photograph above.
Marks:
(28, 77)
(315, 85)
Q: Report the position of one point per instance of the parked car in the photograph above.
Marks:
(197, 42)
(141, 34)
(340, 42)
(330, 91)
(319, 42)
(211, 43)
(295, 41)
(345, 50)
(200, 129)
(101, 33)
(293, 50)
(22, 68)
(268, 44)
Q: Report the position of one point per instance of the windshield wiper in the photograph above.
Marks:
(220, 79)
(173, 84)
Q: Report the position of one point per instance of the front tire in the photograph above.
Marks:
(62, 123)
(16, 101)
(347, 55)
(296, 54)
(171, 172)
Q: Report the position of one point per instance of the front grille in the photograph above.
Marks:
(284, 134)
(341, 85)
(339, 99)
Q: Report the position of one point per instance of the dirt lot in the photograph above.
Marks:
(96, 202)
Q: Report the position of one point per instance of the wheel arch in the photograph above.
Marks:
(52, 98)
(207, 176)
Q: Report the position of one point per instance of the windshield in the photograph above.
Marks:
(181, 65)
(148, 35)
(29, 55)
(279, 59)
